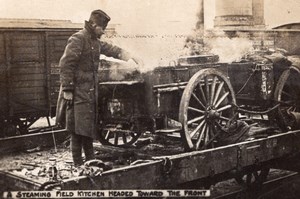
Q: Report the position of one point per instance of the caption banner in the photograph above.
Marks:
(107, 193)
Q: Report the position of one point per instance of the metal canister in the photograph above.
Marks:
(52, 170)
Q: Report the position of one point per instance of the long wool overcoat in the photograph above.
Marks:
(79, 65)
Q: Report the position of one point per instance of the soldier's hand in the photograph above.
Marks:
(68, 96)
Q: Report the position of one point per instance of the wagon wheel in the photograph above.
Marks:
(206, 109)
(287, 93)
(121, 135)
(253, 179)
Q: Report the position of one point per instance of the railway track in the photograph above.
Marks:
(278, 187)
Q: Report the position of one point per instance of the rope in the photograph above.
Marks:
(241, 89)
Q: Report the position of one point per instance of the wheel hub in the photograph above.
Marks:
(212, 114)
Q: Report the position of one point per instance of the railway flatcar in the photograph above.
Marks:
(197, 95)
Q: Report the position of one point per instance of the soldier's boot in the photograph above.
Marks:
(76, 148)
(88, 148)
(77, 158)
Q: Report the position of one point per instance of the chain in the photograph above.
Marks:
(241, 110)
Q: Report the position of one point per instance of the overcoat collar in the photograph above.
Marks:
(90, 30)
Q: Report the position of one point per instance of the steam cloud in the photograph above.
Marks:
(153, 50)
(229, 49)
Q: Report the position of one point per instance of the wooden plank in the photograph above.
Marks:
(20, 57)
(54, 100)
(27, 64)
(32, 114)
(26, 47)
(29, 106)
(2, 49)
(55, 90)
(26, 41)
(55, 57)
(3, 89)
(15, 183)
(48, 68)
(23, 142)
(8, 66)
(28, 70)
(59, 43)
(29, 84)
(28, 90)
(30, 111)
(55, 78)
(171, 171)
(29, 98)
(21, 50)
(27, 77)
(3, 97)
(62, 33)
(38, 25)
(55, 85)
(3, 103)
(54, 96)
(290, 163)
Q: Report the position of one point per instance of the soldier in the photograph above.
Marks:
(77, 101)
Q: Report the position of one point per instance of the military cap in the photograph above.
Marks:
(100, 18)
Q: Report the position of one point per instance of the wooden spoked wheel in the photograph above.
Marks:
(206, 108)
(119, 135)
(287, 94)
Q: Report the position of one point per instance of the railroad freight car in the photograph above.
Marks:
(29, 77)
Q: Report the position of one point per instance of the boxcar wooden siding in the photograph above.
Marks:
(3, 78)
(57, 43)
(26, 47)
(28, 74)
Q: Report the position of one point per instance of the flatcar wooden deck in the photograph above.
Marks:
(150, 171)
